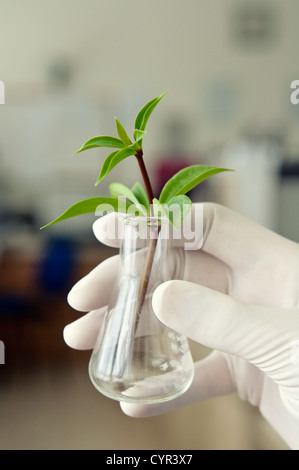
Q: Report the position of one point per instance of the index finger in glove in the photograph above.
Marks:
(93, 291)
(83, 332)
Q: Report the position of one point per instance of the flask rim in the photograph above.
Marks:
(129, 219)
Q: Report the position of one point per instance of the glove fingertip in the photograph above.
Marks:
(108, 230)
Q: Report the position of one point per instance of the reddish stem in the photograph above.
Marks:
(153, 241)
(144, 173)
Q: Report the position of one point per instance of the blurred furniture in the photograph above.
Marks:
(33, 304)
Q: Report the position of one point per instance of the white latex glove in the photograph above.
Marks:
(239, 297)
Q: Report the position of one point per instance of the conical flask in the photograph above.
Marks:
(136, 357)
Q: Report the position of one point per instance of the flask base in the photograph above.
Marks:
(151, 390)
(144, 377)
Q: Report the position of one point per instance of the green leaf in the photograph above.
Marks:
(186, 179)
(112, 160)
(91, 205)
(122, 134)
(144, 114)
(139, 135)
(102, 141)
(121, 190)
(140, 194)
(105, 166)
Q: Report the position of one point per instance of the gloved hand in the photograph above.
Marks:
(239, 297)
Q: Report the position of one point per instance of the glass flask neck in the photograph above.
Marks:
(145, 247)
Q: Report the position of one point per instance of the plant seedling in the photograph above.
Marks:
(140, 197)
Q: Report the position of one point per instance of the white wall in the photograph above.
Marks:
(123, 53)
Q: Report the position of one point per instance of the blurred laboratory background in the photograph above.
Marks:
(69, 67)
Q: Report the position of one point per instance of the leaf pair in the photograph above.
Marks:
(123, 143)
(145, 113)
(136, 196)
(173, 201)
(175, 209)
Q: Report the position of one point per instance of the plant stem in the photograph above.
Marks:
(145, 177)
(152, 242)
(145, 279)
